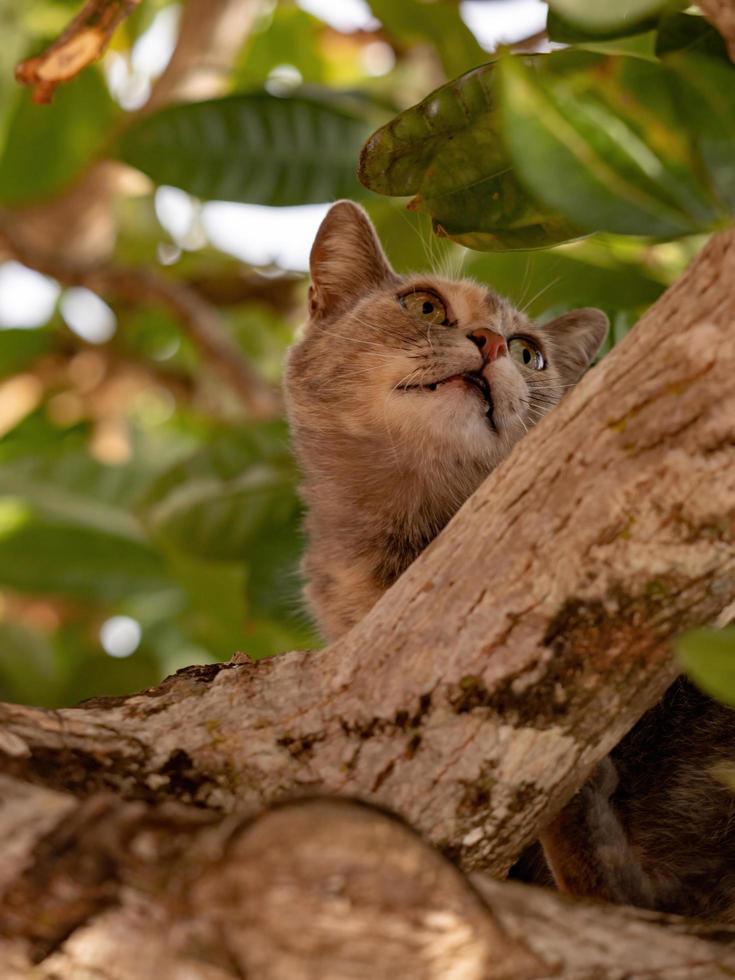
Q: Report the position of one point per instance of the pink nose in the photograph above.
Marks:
(491, 344)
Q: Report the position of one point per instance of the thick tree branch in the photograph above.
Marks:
(319, 889)
(514, 653)
(197, 317)
(82, 42)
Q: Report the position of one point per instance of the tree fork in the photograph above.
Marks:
(479, 692)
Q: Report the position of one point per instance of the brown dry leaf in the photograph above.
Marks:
(83, 41)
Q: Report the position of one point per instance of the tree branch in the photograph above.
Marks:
(479, 692)
(210, 36)
(200, 320)
(316, 889)
(82, 42)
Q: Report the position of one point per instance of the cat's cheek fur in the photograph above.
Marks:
(510, 398)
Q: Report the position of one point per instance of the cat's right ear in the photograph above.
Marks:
(346, 261)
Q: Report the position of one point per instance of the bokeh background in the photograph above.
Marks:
(148, 512)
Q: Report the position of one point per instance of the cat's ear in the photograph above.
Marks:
(576, 337)
(346, 261)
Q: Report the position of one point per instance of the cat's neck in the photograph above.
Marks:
(386, 504)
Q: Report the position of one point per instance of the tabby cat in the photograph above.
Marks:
(403, 395)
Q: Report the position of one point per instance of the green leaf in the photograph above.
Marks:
(706, 91)
(413, 21)
(14, 42)
(29, 673)
(255, 148)
(600, 140)
(48, 145)
(290, 36)
(20, 348)
(215, 612)
(38, 555)
(689, 32)
(708, 656)
(565, 32)
(215, 504)
(66, 485)
(635, 45)
(607, 19)
(448, 152)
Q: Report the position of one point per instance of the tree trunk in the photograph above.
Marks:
(512, 656)
(320, 890)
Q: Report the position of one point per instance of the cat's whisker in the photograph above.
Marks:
(540, 293)
(524, 283)
(538, 386)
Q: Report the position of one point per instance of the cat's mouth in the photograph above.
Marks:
(475, 381)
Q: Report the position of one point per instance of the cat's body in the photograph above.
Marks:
(397, 415)
(403, 395)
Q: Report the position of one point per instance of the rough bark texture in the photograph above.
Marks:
(479, 692)
(320, 890)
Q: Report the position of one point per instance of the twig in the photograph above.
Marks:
(196, 315)
(82, 42)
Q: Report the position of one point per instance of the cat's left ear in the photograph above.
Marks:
(576, 337)
(346, 261)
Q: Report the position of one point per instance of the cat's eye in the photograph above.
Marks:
(525, 353)
(425, 305)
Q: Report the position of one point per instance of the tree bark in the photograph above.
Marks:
(320, 890)
(480, 691)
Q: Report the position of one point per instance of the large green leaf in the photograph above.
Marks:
(449, 153)
(39, 555)
(600, 140)
(215, 504)
(708, 656)
(608, 19)
(706, 89)
(563, 32)
(66, 485)
(255, 148)
(412, 21)
(689, 32)
(47, 146)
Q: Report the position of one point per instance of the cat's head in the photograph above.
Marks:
(428, 365)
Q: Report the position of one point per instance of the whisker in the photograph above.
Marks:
(540, 293)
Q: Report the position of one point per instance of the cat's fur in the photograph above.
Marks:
(384, 470)
(385, 467)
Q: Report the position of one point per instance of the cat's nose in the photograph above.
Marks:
(491, 344)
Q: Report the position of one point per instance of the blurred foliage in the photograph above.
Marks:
(535, 150)
(708, 656)
(132, 481)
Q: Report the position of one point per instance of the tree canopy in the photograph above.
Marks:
(148, 511)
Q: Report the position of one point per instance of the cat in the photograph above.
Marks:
(402, 396)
